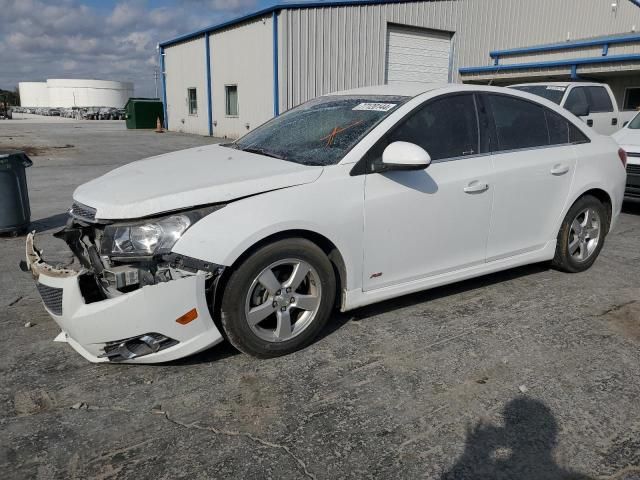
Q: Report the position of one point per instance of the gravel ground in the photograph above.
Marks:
(527, 374)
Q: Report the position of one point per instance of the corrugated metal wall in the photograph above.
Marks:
(243, 56)
(185, 68)
(334, 48)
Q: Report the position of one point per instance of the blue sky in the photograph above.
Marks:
(102, 39)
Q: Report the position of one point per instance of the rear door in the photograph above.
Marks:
(533, 165)
(602, 113)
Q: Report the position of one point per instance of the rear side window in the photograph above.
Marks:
(523, 124)
(599, 100)
(558, 128)
(519, 123)
(445, 127)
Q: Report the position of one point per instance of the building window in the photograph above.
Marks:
(231, 95)
(631, 98)
(192, 98)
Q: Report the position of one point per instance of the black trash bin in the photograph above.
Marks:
(15, 212)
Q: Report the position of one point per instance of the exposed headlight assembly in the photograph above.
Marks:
(150, 237)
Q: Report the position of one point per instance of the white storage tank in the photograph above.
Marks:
(88, 93)
(33, 94)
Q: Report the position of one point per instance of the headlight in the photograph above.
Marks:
(148, 238)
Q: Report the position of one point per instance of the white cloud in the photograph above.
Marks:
(42, 39)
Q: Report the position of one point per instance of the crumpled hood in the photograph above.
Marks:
(188, 178)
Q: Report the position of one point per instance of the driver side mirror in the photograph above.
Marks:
(580, 109)
(405, 156)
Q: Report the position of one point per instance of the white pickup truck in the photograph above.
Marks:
(594, 103)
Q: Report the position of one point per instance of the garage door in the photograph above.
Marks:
(417, 55)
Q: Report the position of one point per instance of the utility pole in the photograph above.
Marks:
(155, 78)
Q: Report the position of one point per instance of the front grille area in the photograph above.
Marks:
(52, 298)
(82, 212)
(633, 169)
(633, 154)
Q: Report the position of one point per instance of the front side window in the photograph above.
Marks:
(321, 131)
(192, 99)
(519, 123)
(445, 128)
(599, 100)
(231, 100)
(577, 97)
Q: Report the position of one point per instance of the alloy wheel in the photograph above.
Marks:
(584, 234)
(283, 300)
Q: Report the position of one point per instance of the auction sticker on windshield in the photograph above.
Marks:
(375, 107)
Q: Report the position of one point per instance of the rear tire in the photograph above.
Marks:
(279, 299)
(581, 235)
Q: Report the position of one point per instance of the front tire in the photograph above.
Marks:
(581, 235)
(278, 299)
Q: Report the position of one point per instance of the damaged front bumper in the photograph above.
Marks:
(151, 324)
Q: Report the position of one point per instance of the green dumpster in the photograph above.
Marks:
(143, 113)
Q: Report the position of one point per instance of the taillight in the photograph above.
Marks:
(623, 157)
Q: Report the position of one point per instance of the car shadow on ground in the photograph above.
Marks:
(440, 292)
(339, 319)
(631, 207)
(522, 448)
(211, 355)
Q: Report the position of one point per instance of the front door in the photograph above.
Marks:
(426, 222)
(602, 115)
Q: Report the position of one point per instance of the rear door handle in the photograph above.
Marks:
(589, 123)
(614, 121)
(559, 169)
(476, 187)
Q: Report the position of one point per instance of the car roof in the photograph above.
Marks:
(556, 84)
(398, 89)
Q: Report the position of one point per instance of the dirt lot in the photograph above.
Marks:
(527, 374)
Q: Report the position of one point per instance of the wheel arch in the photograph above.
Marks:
(601, 195)
(325, 244)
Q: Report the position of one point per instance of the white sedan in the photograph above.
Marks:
(346, 200)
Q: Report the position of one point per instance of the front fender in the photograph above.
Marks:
(331, 207)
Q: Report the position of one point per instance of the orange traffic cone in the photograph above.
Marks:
(159, 128)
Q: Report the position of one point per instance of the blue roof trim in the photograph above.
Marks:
(553, 63)
(276, 8)
(568, 45)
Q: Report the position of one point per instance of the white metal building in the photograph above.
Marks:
(64, 93)
(33, 94)
(229, 78)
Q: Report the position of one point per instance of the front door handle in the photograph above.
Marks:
(559, 169)
(590, 123)
(476, 187)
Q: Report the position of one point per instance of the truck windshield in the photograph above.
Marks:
(321, 131)
(550, 92)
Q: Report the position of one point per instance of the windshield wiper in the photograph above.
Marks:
(262, 151)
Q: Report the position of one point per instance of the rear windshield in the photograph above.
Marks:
(321, 131)
(550, 92)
